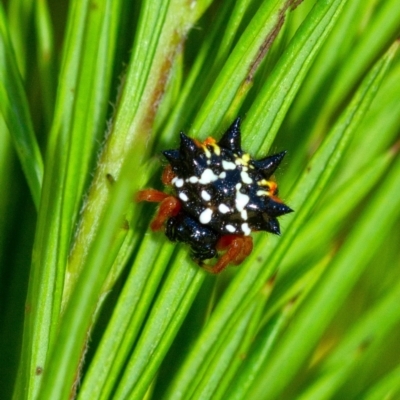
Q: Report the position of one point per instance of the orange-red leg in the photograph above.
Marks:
(169, 206)
(167, 175)
(237, 249)
(152, 195)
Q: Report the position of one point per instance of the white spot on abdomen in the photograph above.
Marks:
(178, 182)
(246, 178)
(230, 228)
(245, 228)
(207, 177)
(205, 195)
(205, 216)
(183, 197)
(223, 208)
(241, 201)
(227, 165)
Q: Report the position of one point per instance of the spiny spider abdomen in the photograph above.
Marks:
(220, 195)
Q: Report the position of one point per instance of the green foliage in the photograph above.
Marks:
(96, 306)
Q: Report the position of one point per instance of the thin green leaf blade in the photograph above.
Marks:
(271, 105)
(15, 111)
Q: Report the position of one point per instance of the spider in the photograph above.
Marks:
(217, 195)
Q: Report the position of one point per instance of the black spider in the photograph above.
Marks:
(220, 195)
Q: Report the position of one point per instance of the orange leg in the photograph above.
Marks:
(237, 249)
(169, 206)
(167, 175)
(152, 195)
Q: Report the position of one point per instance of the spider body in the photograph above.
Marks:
(220, 195)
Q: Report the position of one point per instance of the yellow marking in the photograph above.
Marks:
(244, 160)
(270, 187)
(210, 142)
(208, 154)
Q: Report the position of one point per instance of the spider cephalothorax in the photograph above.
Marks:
(220, 195)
